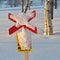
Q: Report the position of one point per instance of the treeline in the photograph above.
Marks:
(14, 3)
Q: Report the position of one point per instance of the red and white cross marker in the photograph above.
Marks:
(21, 23)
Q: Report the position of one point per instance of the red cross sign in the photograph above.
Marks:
(14, 28)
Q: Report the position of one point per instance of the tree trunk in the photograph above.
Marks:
(48, 29)
(22, 5)
(55, 4)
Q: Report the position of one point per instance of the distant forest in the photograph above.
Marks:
(15, 3)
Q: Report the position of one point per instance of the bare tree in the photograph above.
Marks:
(55, 4)
(10, 3)
(27, 5)
(22, 5)
(42, 1)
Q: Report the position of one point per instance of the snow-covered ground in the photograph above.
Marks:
(44, 47)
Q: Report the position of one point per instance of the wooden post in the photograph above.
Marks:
(48, 29)
(22, 4)
(25, 55)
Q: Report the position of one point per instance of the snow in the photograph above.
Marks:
(43, 47)
(19, 7)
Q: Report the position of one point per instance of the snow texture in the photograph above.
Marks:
(44, 47)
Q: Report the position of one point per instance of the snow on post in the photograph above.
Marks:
(24, 36)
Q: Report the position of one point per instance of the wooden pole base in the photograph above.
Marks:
(25, 55)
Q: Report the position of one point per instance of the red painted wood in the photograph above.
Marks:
(14, 28)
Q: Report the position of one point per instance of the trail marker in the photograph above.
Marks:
(23, 38)
(14, 28)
